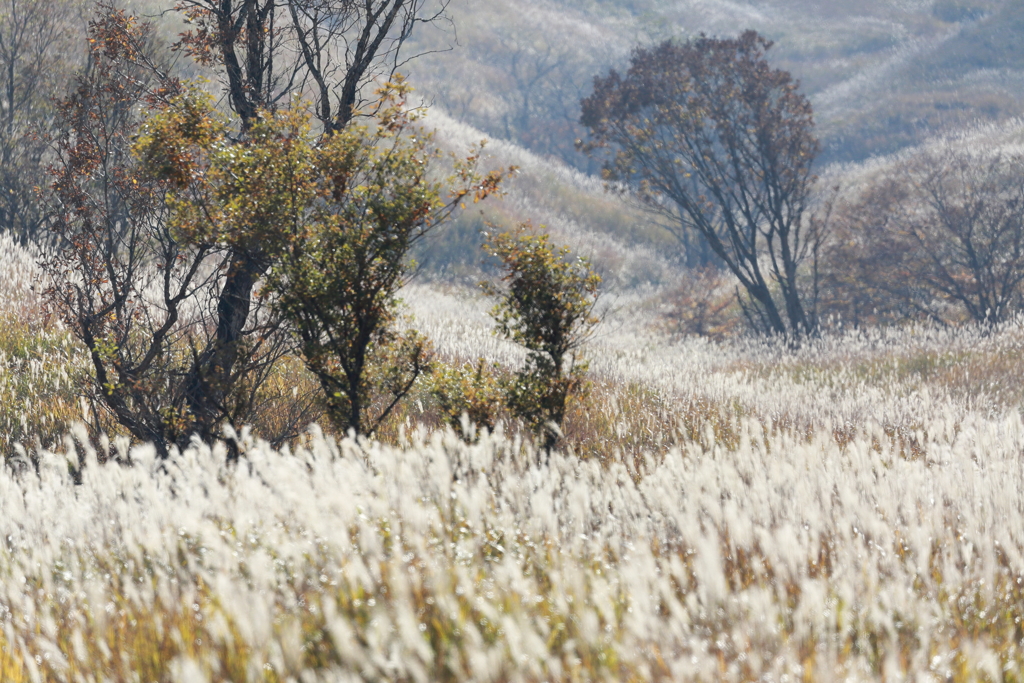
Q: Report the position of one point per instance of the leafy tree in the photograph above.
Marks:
(718, 143)
(266, 54)
(336, 218)
(342, 261)
(161, 254)
(546, 305)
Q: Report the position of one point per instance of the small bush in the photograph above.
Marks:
(547, 306)
(703, 304)
(467, 392)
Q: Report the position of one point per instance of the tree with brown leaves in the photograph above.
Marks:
(720, 144)
(120, 276)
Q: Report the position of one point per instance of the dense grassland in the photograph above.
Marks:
(849, 510)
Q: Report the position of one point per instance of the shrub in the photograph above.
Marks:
(547, 306)
(467, 392)
(703, 304)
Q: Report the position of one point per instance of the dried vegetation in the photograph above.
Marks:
(738, 511)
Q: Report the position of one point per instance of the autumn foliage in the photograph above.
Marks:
(195, 252)
(719, 145)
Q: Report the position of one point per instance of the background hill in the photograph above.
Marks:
(882, 74)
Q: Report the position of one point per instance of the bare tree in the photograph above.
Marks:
(721, 145)
(533, 69)
(941, 232)
(120, 278)
(267, 51)
(971, 232)
(37, 62)
(521, 79)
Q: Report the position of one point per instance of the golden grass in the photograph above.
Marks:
(12, 666)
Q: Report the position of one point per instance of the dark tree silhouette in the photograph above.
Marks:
(714, 140)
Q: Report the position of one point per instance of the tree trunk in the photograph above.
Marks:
(211, 377)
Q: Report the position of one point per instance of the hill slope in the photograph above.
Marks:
(882, 74)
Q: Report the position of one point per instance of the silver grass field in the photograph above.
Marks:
(852, 510)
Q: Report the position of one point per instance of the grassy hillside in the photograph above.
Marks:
(882, 74)
(883, 77)
(628, 249)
